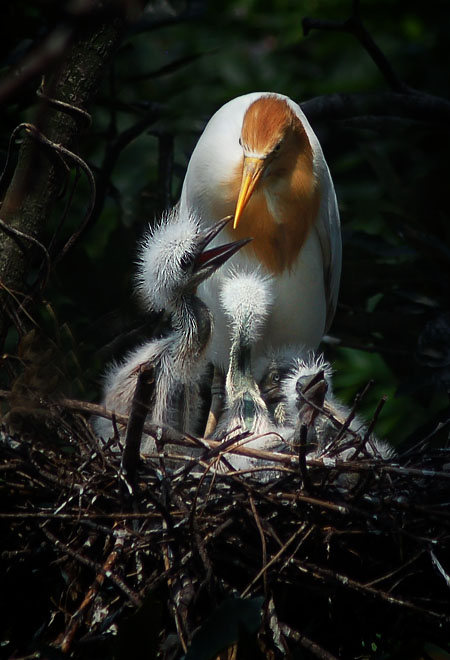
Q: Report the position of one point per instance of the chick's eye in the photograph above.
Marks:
(277, 147)
(301, 382)
(240, 142)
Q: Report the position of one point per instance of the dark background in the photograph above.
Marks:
(179, 62)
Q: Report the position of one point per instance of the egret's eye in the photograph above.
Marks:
(240, 142)
(276, 378)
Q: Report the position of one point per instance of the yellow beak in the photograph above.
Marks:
(251, 173)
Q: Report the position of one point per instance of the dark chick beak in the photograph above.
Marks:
(311, 396)
(208, 261)
(207, 235)
(211, 260)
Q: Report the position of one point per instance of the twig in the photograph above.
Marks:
(333, 577)
(273, 559)
(263, 541)
(440, 568)
(217, 397)
(374, 419)
(302, 437)
(346, 425)
(139, 410)
(77, 617)
(118, 582)
(307, 643)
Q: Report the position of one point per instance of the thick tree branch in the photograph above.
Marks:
(389, 105)
(36, 182)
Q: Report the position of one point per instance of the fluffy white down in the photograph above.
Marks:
(119, 382)
(159, 258)
(246, 298)
(304, 367)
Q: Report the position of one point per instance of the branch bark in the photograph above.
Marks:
(389, 105)
(36, 182)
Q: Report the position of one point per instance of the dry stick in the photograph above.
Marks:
(130, 457)
(273, 560)
(397, 570)
(76, 516)
(303, 433)
(346, 426)
(263, 541)
(77, 617)
(139, 409)
(274, 625)
(424, 441)
(307, 643)
(117, 581)
(174, 437)
(213, 449)
(371, 426)
(217, 396)
(375, 417)
(172, 585)
(326, 576)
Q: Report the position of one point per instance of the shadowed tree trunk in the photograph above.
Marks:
(41, 169)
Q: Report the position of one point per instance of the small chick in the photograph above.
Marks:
(270, 371)
(172, 262)
(308, 398)
(246, 299)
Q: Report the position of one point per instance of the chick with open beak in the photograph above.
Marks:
(173, 260)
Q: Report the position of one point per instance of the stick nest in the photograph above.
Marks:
(353, 565)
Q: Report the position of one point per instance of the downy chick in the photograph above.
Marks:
(172, 262)
(246, 299)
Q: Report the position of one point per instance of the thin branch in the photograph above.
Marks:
(354, 25)
(77, 617)
(139, 410)
(306, 642)
(115, 579)
(302, 436)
